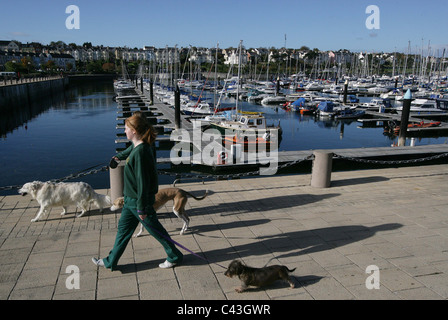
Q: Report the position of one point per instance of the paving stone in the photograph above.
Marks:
(330, 235)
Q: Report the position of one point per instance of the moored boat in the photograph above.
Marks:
(421, 124)
(326, 109)
(273, 100)
(424, 106)
(349, 114)
(248, 128)
(199, 109)
(301, 106)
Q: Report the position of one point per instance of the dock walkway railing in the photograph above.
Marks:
(320, 176)
(7, 81)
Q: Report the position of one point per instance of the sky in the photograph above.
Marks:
(322, 24)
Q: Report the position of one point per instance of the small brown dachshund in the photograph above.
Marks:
(258, 277)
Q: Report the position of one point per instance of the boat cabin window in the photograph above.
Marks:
(442, 104)
(259, 122)
(243, 120)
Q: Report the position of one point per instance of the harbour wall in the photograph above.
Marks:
(19, 94)
(14, 93)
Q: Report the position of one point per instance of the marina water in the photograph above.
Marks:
(76, 130)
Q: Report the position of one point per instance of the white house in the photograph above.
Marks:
(232, 57)
(7, 45)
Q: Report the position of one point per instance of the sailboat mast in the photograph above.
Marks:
(239, 75)
(216, 74)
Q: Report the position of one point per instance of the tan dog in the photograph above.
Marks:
(179, 197)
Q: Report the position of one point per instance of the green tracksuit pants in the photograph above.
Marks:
(127, 224)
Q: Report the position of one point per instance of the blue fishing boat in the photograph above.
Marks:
(300, 105)
(326, 109)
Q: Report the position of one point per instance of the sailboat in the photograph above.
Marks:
(123, 84)
(247, 128)
(197, 108)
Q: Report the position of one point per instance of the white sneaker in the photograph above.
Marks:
(167, 265)
(98, 262)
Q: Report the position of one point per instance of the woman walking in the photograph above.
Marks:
(140, 187)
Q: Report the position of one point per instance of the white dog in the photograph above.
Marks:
(50, 194)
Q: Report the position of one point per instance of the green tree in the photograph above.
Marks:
(13, 66)
(95, 67)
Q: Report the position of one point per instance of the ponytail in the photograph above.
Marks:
(150, 135)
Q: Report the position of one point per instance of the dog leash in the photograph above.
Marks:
(180, 245)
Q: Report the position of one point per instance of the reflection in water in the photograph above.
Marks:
(60, 135)
(87, 96)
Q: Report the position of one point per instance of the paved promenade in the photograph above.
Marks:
(395, 219)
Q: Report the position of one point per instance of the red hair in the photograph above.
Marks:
(143, 128)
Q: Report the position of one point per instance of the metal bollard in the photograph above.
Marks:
(321, 172)
(116, 181)
(177, 108)
(407, 99)
(151, 93)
